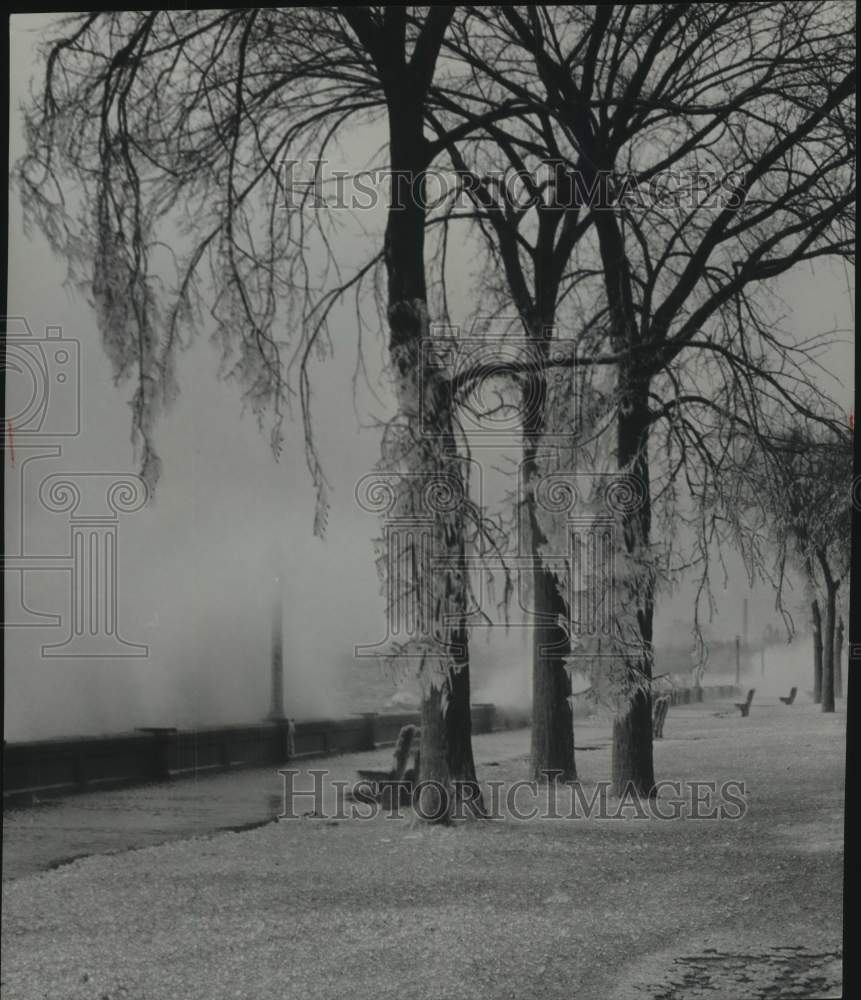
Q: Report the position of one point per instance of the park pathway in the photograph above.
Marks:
(52, 832)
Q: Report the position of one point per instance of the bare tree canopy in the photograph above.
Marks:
(691, 156)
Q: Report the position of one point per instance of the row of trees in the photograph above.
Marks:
(788, 505)
(173, 127)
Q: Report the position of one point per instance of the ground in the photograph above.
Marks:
(609, 909)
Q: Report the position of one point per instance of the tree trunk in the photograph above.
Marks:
(632, 764)
(446, 754)
(552, 747)
(827, 639)
(458, 725)
(632, 761)
(838, 659)
(552, 743)
(424, 452)
(817, 651)
(434, 774)
(632, 758)
(828, 651)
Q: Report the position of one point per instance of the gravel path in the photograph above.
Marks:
(608, 909)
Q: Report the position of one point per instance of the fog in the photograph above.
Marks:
(196, 565)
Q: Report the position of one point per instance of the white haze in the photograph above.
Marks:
(196, 567)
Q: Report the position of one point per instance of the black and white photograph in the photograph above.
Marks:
(428, 492)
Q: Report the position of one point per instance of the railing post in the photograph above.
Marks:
(369, 738)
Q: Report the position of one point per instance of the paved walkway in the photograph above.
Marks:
(55, 831)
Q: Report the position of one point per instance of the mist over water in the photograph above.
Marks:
(196, 572)
(787, 665)
(196, 579)
(197, 566)
(203, 605)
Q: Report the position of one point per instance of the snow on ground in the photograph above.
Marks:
(609, 909)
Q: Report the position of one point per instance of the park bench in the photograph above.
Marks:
(398, 782)
(791, 697)
(744, 706)
(659, 714)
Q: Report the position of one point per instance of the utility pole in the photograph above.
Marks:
(744, 623)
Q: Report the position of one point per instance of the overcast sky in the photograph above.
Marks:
(196, 566)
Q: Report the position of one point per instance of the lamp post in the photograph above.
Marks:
(737, 660)
(276, 710)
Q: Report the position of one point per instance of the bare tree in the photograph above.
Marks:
(154, 111)
(536, 291)
(422, 448)
(755, 105)
(790, 502)
(829, 462)
(838, 658)
(156, 167)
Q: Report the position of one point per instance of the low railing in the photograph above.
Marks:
(60, 766)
